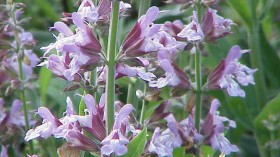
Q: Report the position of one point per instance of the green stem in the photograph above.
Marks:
(143, 106)
(198, 96)
(198, 80)
(21, 76)
(110, 84)
(144, 6)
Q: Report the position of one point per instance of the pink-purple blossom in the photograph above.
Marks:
(215, 26)
(138, 42)
(213, 129)
(116, 141)
(230, 72)
(193, 31)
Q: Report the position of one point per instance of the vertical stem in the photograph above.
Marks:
(20, 73)
(198, 95)
(143, 106)
(198, 80)
(110, 81)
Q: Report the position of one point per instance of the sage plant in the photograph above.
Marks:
(149, 53)
(16, 72)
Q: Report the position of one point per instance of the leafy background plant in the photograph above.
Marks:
(249, 113)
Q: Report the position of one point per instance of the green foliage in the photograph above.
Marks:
(137, 144)
(241, 7)
(271, 114)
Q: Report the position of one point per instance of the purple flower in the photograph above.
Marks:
(88, 11)
(173, 76)
(100, 14)
(63, 66)
(126, 70)
(26, 39)
(78, 140)
(215, 26)
(157, 147)
(93, 121)
(50, 123)
(138, 41)
(169, 46)
(15, 116)
(173, 28)
(12, 64)
(230, 71)
(2, 112)
(160, 112)
(76, 53)
(213, 127)
(176, 135)
(66, 127)
(4, 151)
(83, 40)
(192, 32)
(116, 141)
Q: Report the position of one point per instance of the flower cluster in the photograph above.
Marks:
(148, 52)
(184, 133)
(71, 126)
(17, 61)
(15, 43)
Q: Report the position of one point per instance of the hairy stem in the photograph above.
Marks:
(110, 80)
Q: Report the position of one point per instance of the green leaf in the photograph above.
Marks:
(44, 78)
(272, 108)
(82, 106)
(207, 150)
(242, 9)
(271, 61)
(137, 144)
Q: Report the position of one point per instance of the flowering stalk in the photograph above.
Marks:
(21, 76)
(111, 51)
(198, 79)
